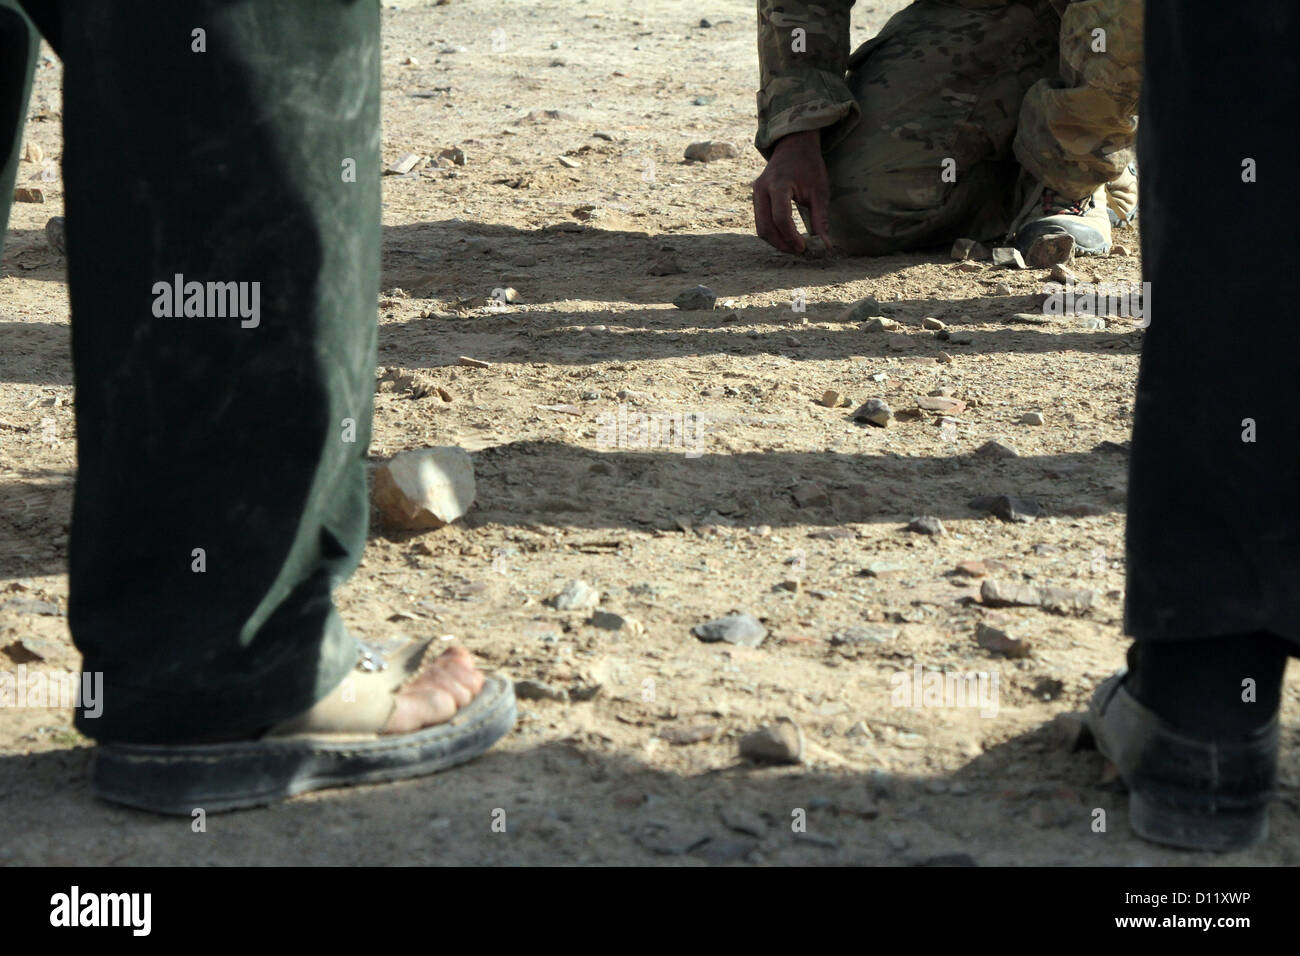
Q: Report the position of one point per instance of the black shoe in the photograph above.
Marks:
(1185, 792)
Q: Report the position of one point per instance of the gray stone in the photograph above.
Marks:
(1062, 275)
(865, 634)
(1008, 257)
(537, 690)
(710, 151)
(1050, 250)
(666, 264)
(861, 310)
(609, 621)
(1009, 507)
(969, 249)
(998, 641)
(717, 851)
(926, 524)
(874, 411)
(697, 299)
(879, 324)
(56, 234)
(743, 629)
(742, 821)
(1061, 600)
(577, 595)
(1031, 418)
(994, 593)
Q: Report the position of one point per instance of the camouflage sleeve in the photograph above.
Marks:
(803, 51)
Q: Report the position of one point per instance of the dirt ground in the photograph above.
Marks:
(770, 503)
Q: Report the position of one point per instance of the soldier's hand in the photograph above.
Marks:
(796, 172)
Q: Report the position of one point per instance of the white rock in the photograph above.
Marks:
(424, 489)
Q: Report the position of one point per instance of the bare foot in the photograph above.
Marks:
(446, 685)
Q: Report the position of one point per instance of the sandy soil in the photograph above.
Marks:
(670, 539)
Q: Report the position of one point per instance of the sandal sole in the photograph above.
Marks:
(232, 776)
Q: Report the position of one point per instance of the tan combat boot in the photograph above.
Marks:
(1052, 228)
(1122, 197)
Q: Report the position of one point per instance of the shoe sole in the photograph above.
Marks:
(234, 776)
(1219, 832)
(1163, 823)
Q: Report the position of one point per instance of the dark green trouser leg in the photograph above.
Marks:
(19, 45)
(220, 487)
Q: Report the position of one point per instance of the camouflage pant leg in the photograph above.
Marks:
(940, 90)
(1077, 132)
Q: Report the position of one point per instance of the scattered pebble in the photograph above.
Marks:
(1009, 507)
(1063, 275)
(997, 449)
(864, 634)
(780, 743)
(1121, 251)
(809, 494)
(1050, 250)
(999, 641)
(56, 234)
(453, 154)
(926, 524)
(879, 324)
(941, 403)
(743, 822)
(1031, 418)
(964, 249)
(577, 595)
(711, 151)
(537, 690)
(1002, 289)
(29, 194)
(403, 165)
(665, 264)
(860, 311)
(684, 736)
(929, 322)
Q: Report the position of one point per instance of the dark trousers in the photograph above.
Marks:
(220, 490)
(1214, 521)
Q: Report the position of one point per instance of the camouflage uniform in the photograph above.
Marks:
(994, 86)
